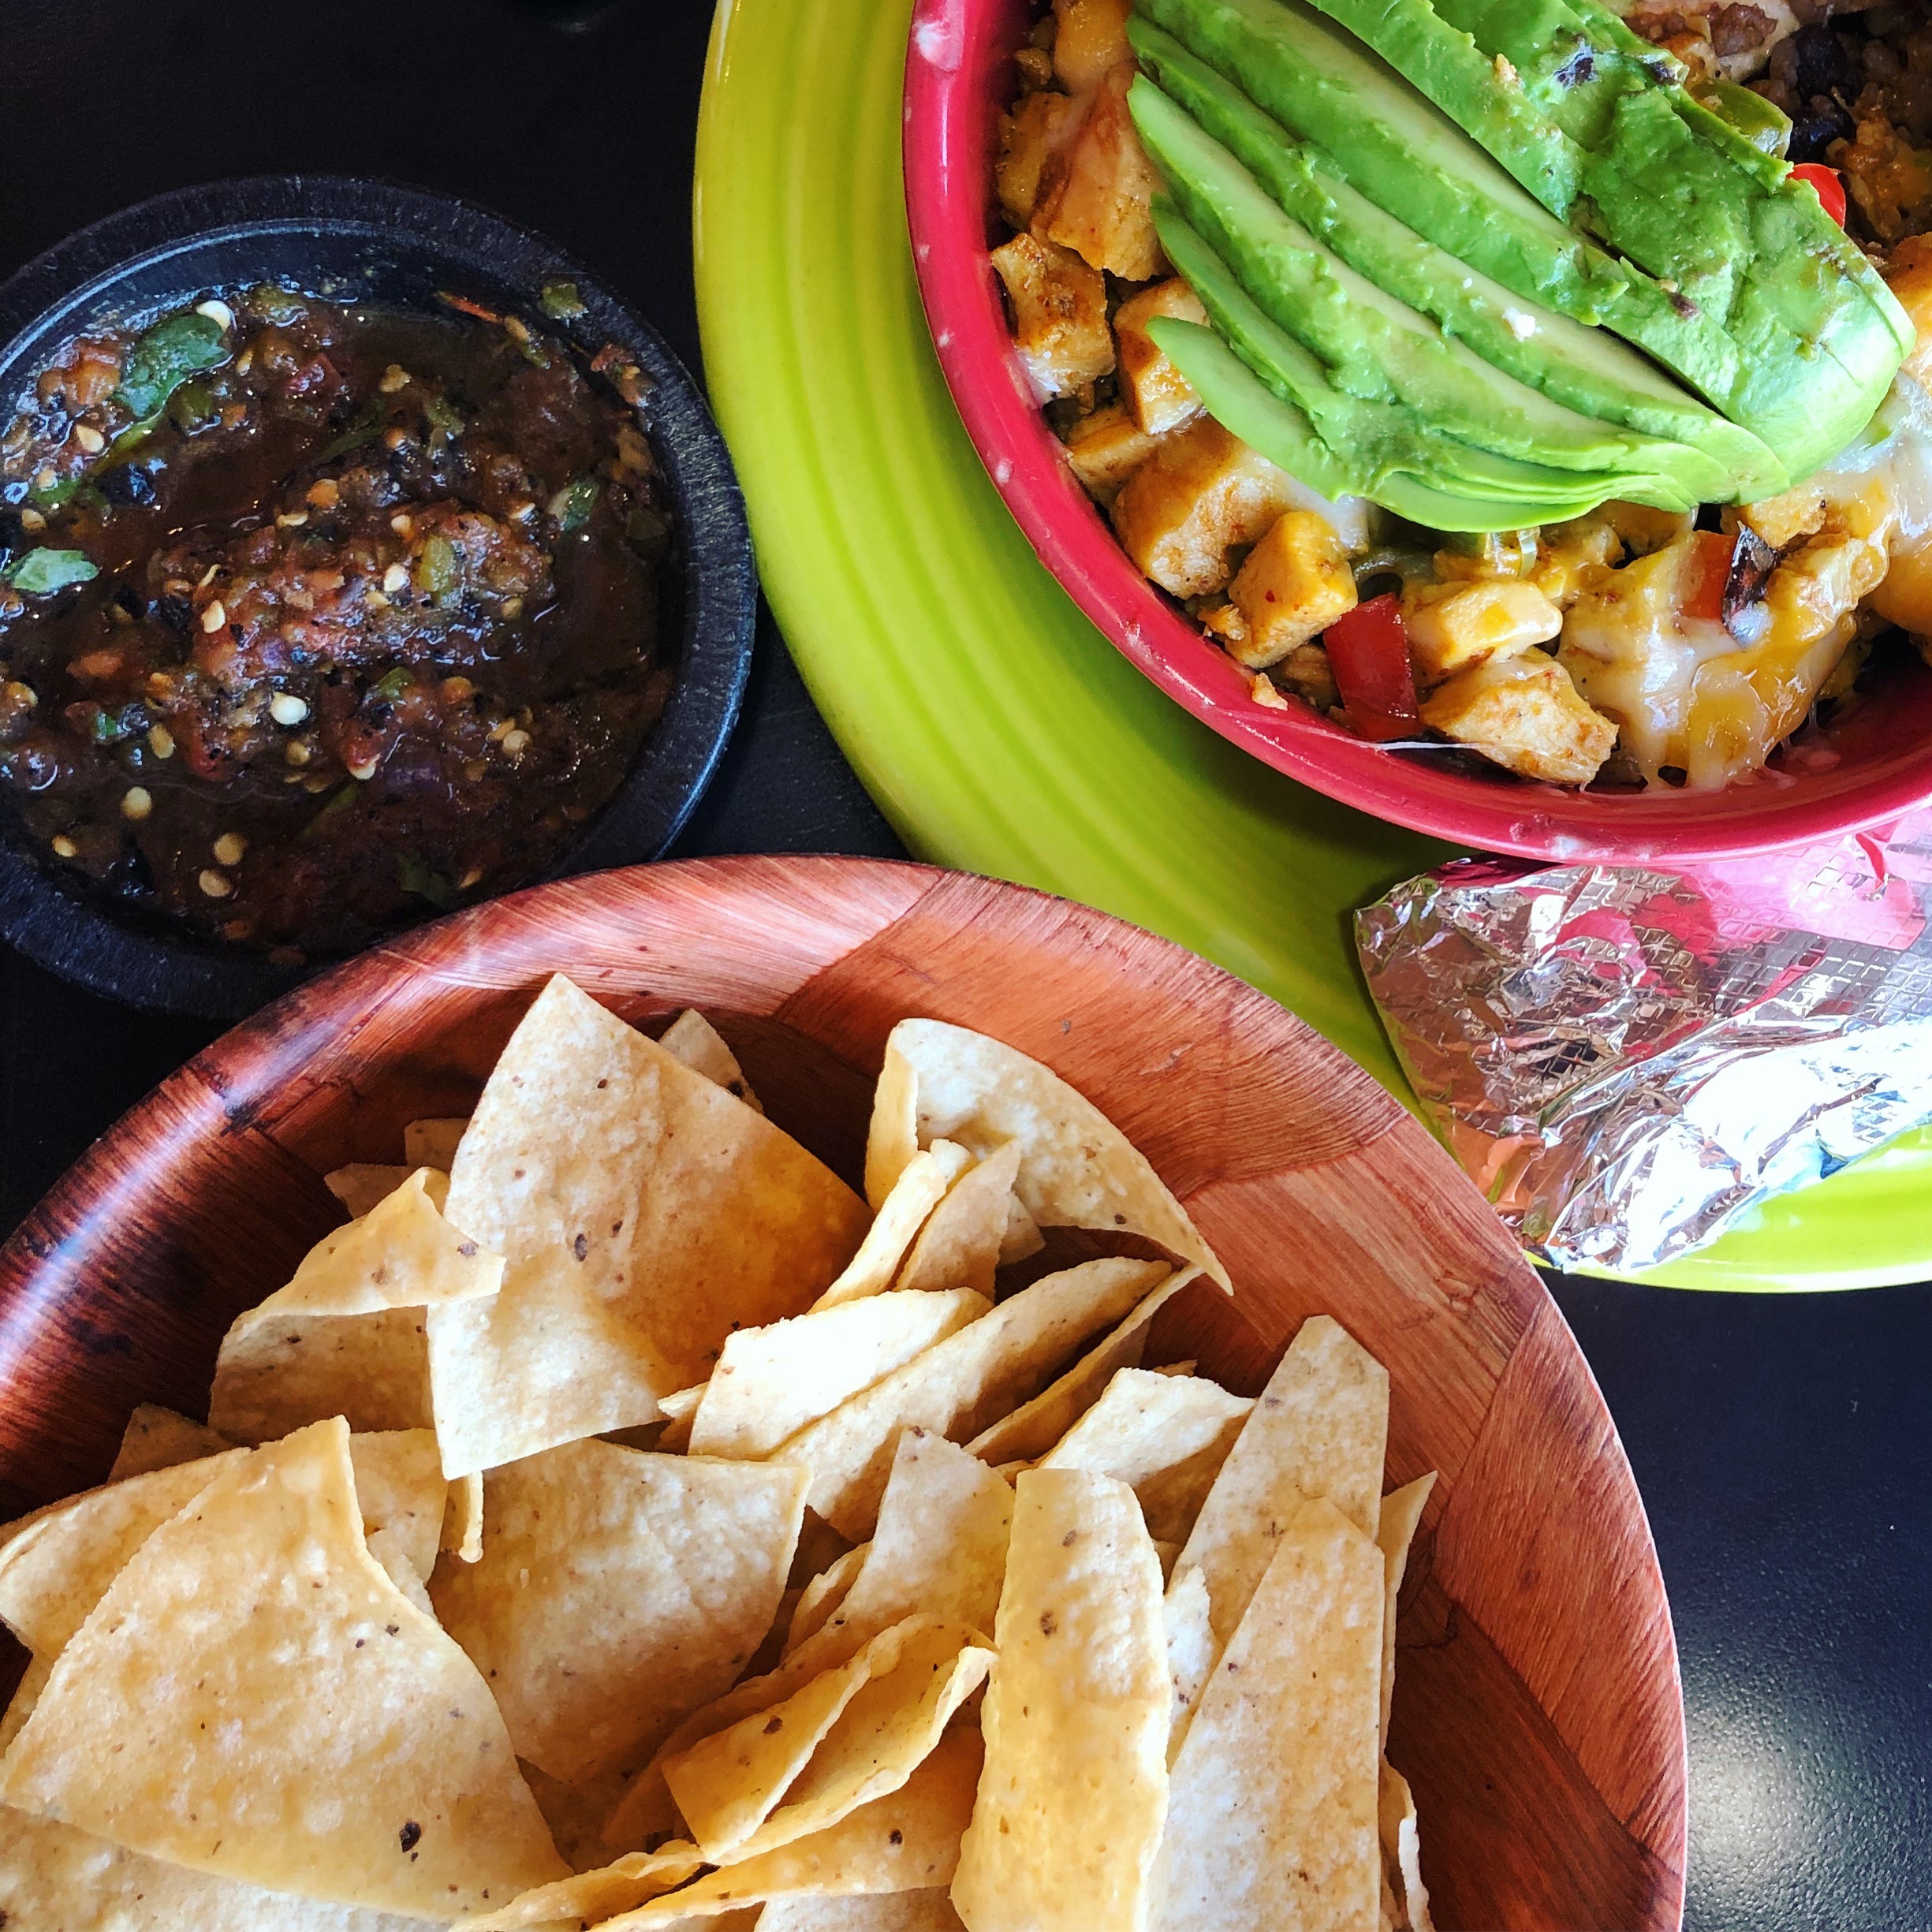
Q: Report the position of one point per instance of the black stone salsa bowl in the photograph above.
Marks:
(397, 247)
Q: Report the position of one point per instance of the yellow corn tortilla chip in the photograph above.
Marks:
(1072, 1801)
(53, 1879)
(55, 1567)
(371, 1369)
(905, 1841)
(959, 1385)
(1401, 1851)
(820, 1598)
(618, 1591)
(1395, 1530)
(770, 1382)
(917, 1191)
(388, 1552)
(26, 1694)
(920, 1673)
(643, 1213)
(575, 1813)
(892, 1140)
(1272, 1813)
(1077, 1169)
(462, 1522)
(1320, 1429)
(1023, 1235)
(693, 1039)
(433, 1143)
(960, 1245)
(158, 1439)
(1191, 1649)
(362, 1184)
(597, 1897)
(328, 1740)
(1031, 1430)
(940, 1550)
(929, 1910)
(1164, 1436)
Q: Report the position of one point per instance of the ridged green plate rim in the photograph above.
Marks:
(998, 729)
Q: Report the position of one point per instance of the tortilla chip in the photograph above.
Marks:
(1164, 1436)
(322, 1718)
(929, 1910)
(361, 1184)
(280, 1375)
(959, 1385)
(1319, 1430)
(960, 1245)
(158, 1439)
(940, 1550)
(693, 1039)
(892, 1140)
(682, 1404)
(597, 1897)
(1401, 1851)
(1175, 1368)
(919, 1674)
(26, 1694)
(908, 1841)
(617, 1593)
(1395, 1530)
(643, 1213)
(1271, 1814)
(462, 1522)
(1068, 1818)
(820, 1599)
(1022, 1237)
(1191, 1649)
(1031, 1430)
(433, 1143)
(770, 1382)
(917, 1191)
(53, 1879)
(1076, 1167)
(575, 1813)
(388, 1550)
(57, 1567)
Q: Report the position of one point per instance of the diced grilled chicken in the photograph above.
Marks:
(1105, 448)
(1090, 41)
(1059, 315)
(1160, 396)
(1200, 494)
(1524, 714)
(1096, 197)
(1032, 139)
(1294, 583)
(1452, 626)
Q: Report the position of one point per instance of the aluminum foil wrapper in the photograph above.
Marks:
(1625, 1059)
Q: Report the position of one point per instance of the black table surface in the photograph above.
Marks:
(1782, 1442)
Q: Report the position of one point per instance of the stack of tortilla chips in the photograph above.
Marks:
(621, 1523)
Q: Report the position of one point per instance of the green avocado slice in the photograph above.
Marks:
(1376, 349)
(1588, 369)
(1244, 405)
(1377, 439)
(1389, 142)
(1601, 133)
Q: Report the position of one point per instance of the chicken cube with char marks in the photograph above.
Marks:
(1160, 396)
(1090, 41)
(1524, 714)
(1105, 448)
(1096, 197)
(1200, 494)
(1453, 626)
(1059, 315)
(1032, 138)
(1294, 583)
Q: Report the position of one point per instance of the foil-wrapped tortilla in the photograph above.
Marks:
(1624, 1059)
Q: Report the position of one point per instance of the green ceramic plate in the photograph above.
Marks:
(998, 730)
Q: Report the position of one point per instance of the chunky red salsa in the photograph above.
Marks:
(316, 620)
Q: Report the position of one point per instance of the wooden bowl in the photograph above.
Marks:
(1538, 1712)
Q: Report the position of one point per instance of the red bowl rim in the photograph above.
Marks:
(955, 57)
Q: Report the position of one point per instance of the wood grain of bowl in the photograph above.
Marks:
(1537, 1710)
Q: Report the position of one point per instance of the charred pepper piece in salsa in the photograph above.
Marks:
(317, 620)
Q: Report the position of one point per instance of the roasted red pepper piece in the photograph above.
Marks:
(1368, 651)
(1829, 184)
(1707, 574)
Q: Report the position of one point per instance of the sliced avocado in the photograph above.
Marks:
(1378, 348)
(1377, 439)
(1766, 127)
(1244, 405)
(1604, 136)
(1588, 369)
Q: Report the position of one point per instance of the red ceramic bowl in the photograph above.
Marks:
(958, 76)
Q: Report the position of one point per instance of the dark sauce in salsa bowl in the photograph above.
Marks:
(330, 602)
